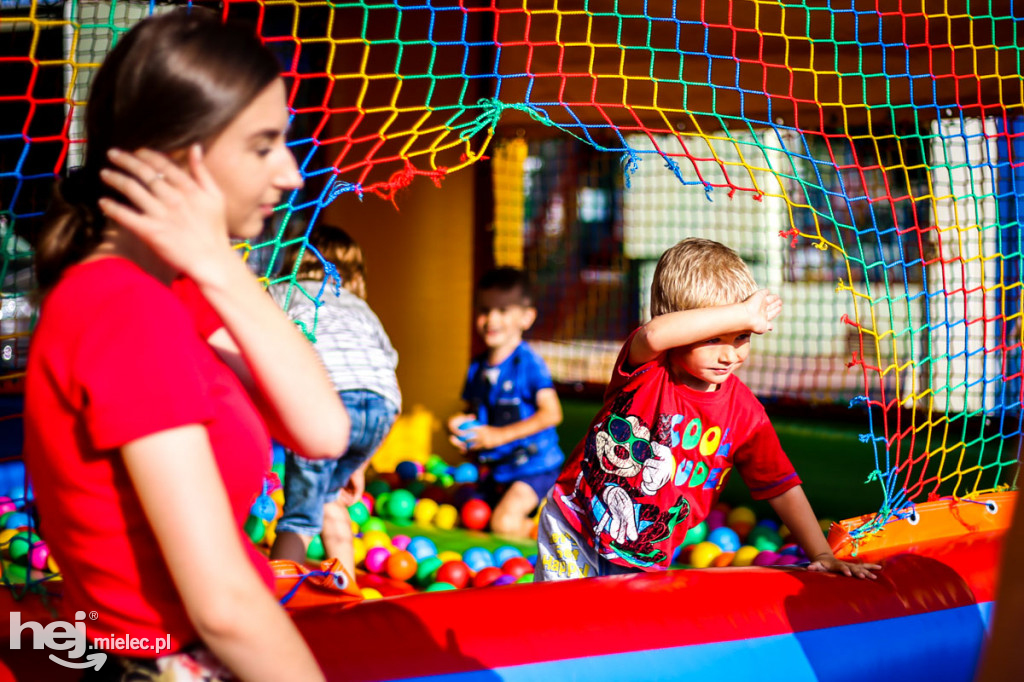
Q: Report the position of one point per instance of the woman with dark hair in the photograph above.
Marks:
(160, 368)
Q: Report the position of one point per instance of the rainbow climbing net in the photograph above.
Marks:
(880, 141)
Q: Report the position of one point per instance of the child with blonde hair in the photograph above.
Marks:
(361, 362)
(676, 422)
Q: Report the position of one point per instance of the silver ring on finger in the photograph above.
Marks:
(156, 178)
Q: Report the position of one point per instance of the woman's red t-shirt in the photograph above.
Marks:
(116, 356)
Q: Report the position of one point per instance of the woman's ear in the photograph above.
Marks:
(180, 157)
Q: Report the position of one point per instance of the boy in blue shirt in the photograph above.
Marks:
(512, 407)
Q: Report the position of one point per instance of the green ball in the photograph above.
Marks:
(376, 487)
(525, 578)
(20, 545)
(16, 573)
(446, 480)
(434, 461)
(426, 570)
(380, 504)
(416, 487)
(764, 538)
(373, 523)
(440, 587)
(316, 552)
(400, 504)
(696, 534)
(359, 513)
(255, 528)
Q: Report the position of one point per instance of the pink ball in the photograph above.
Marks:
(715, 519)
(377, 559)
(38, 555)
(7, 505)
(368, 503)
(505, 579)
(787, 560)
(401, 541)
(765, 558)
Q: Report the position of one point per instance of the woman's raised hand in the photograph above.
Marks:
(180, 214)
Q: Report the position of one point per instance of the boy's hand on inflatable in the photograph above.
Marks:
(763, 306)
(179, 213)
(828, 562)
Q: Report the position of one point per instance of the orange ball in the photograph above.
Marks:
(723, 559)
(401, 565)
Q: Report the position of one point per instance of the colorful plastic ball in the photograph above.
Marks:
(525, 578)
(446, 517)
(255, 528)
(17, 520)
(486, 576)
(790, 548)
(446, 480)
(20, 546)
(464, 493)
(449, 555)
(504, 579)
(416, 487)
(435, 462)
(726, 538)
(697, 534)
(517, 566)
(376, 538)
(421, 547)
(466, 473)
(723, 559)
(382, 504)
(408, 470)
(7, 505)
(787, 560)
(5, 537)
(39, 556)
(374, 524)
(315, 552)
(400, 504)
(368, 502)
(435, 493)
(764, 538)
(358, 513)
(424, 511)
(476, 514)
(703, 553)
(358, 550)
(504, 553)
(745, 555)
(426, 570)
(370, 593)
(715, 518)
(401, 541)
(765, 558)
(454, 573)
(377, 559)
(740, 515)
(401, 565)
(377, 486)
(769, 523)
(478, 558)
(742, 529)
(783, 531)
(440, 587)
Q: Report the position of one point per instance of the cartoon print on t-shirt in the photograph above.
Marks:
(615, 452)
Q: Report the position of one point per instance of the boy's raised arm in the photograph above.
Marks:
(683, 327)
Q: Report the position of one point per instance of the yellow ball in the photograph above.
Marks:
(783, 531)
(446, 517)
(745, 555)
(355, 527)
(703, 553)
(424, 511)
(278, 497)
(358, 550)
(740, 515)
(449, 555)
(5, 538)
(376, 538)
(51, 565)
(370, 593)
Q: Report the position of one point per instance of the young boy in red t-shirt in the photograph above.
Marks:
(675, 423)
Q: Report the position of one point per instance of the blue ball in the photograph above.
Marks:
(504, 553)
(421, 548)
(726, 538)
(532, 559)
(407, 471)
(465, 432)
(770, 524)
(18, 519)
(477, 558)
(466, 473)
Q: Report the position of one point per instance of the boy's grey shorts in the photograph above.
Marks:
(562, 554)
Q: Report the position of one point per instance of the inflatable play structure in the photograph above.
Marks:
(862, 159)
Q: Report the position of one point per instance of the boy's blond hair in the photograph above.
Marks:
(699, 273)
(337, 247)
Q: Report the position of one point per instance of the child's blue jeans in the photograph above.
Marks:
(309, 484)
